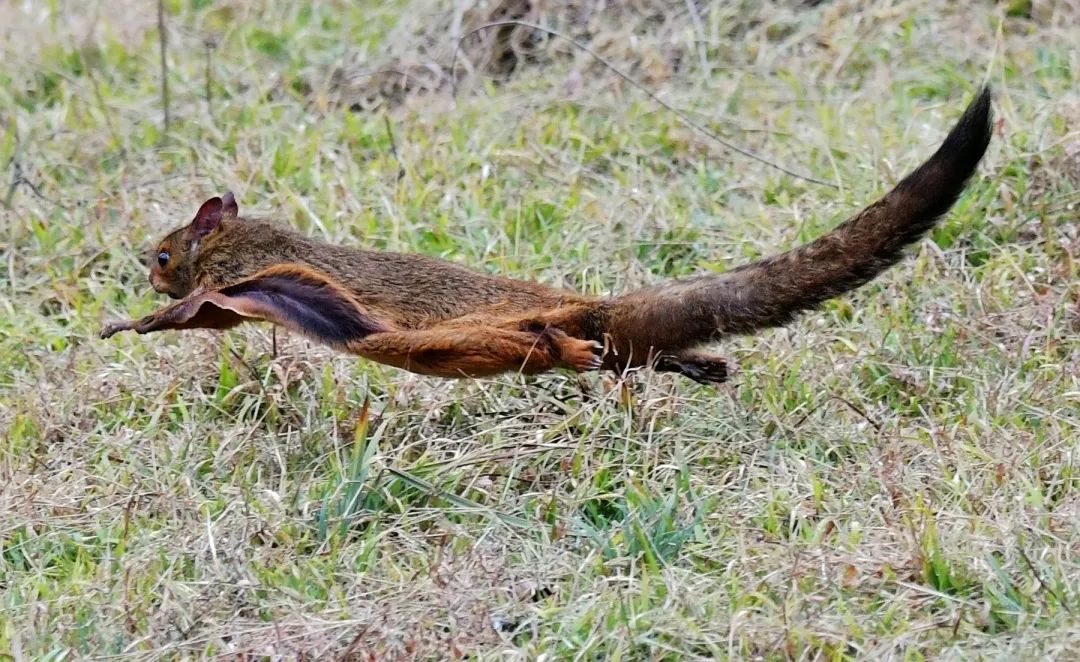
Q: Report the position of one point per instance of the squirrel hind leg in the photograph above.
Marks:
(702, 367)
(478, 351)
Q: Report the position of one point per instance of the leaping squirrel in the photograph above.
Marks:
(434, 317)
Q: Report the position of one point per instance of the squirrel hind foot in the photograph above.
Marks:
(580, 355)
(706, 369)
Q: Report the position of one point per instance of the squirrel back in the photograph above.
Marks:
(219, 248)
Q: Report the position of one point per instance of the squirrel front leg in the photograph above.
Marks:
(289, 295)
(478, 351)
(187, 314)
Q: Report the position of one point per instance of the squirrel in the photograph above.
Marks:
(435, 317)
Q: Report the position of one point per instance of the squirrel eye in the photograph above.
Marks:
(163, 258)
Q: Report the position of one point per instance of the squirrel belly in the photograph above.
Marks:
(438, 318)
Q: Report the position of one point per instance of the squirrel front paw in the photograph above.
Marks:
(142, 325)
(113, 328)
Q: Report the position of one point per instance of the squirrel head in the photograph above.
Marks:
(173, 264)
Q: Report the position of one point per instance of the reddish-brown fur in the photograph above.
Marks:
(438, 318)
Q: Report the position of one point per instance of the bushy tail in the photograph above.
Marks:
(771, 292)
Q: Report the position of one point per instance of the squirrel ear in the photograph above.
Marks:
(229, 207)
(207, 218)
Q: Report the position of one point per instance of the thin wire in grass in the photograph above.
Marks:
(19, 179)
(851, 405)
(393, 148)
(163, 41)
(678, 113)
(1042, 583)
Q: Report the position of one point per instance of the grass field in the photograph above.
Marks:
(894, 476)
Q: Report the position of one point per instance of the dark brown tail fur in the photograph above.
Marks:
(680, 314)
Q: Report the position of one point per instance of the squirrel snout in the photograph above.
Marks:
(162, 287)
